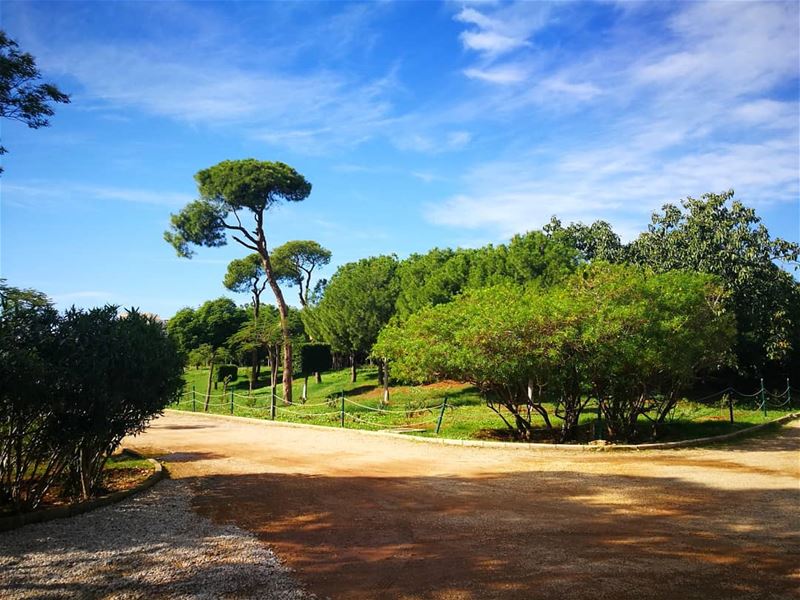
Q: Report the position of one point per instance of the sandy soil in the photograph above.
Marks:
(366, 517)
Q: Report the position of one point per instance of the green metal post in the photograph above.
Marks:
(194, 401)
(789, 393)
(272, 404)
(441, 416)
(763, 398)
(342, 409)
(231, 401)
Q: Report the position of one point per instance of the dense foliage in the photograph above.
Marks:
(720, 236)
(635, 327)
(440, 275)
(71, 387)
(623, 336)
(358, 302)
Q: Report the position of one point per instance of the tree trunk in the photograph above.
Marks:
(305, 389)
(352, 368)
(318, 377)
(208, 387)
(385, 370)
(283, 311)
(254, 371)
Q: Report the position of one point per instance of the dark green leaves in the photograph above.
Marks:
(200, 223)
(243, 273)
(21, 98)
(251, 184)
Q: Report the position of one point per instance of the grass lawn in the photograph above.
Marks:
(417, 408)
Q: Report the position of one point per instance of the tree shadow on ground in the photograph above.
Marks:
(559, 534)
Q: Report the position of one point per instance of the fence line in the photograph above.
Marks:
(762, 399)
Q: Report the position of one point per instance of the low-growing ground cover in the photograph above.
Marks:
(418, 408)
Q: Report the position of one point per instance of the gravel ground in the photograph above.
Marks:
(153, 545)
(361, 517)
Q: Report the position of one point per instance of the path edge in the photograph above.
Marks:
(71, 510)
(511, 445)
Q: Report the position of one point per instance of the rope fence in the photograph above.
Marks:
(381, 417)
(275, 411)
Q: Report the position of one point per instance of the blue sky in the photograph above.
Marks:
(418, 124)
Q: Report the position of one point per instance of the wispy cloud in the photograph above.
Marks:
(506, 29)
(696, 110)
(433, 143)
(180, 73)
(504, 74)
(21, 194)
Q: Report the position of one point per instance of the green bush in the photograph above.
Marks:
(72, 386)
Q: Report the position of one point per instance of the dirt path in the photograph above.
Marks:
(365, 517)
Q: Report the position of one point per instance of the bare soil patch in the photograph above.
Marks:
(367, 517)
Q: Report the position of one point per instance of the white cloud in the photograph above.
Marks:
(490, 42)
(504, 74)
(580, 91)
(433, 143)
(616, 184)
(508, 28)
(700, 110)
(195, 66)
(27, 193)
(730, 48)
(768, 113)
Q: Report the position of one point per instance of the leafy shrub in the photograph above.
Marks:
(622, 336)
(72, 387)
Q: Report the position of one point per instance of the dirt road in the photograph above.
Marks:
(364, 517)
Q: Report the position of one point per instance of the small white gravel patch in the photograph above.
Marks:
(150, 546)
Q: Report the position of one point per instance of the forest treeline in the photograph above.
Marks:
(730, 302)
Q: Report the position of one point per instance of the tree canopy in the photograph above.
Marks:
(23, 97)
(719, 235)
(441, 274)
(231, 191)
(358, 302)
(294, 263)
(212, 323)
(622, 335)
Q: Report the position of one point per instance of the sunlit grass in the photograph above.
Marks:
(418, 408)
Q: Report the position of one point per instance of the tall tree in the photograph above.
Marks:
(358, 301)
(295, 261)
(595, 241)
(231, 191)
(22, 97)
(246, 275)
(721, 236)
(213, 323)
(440, 275)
